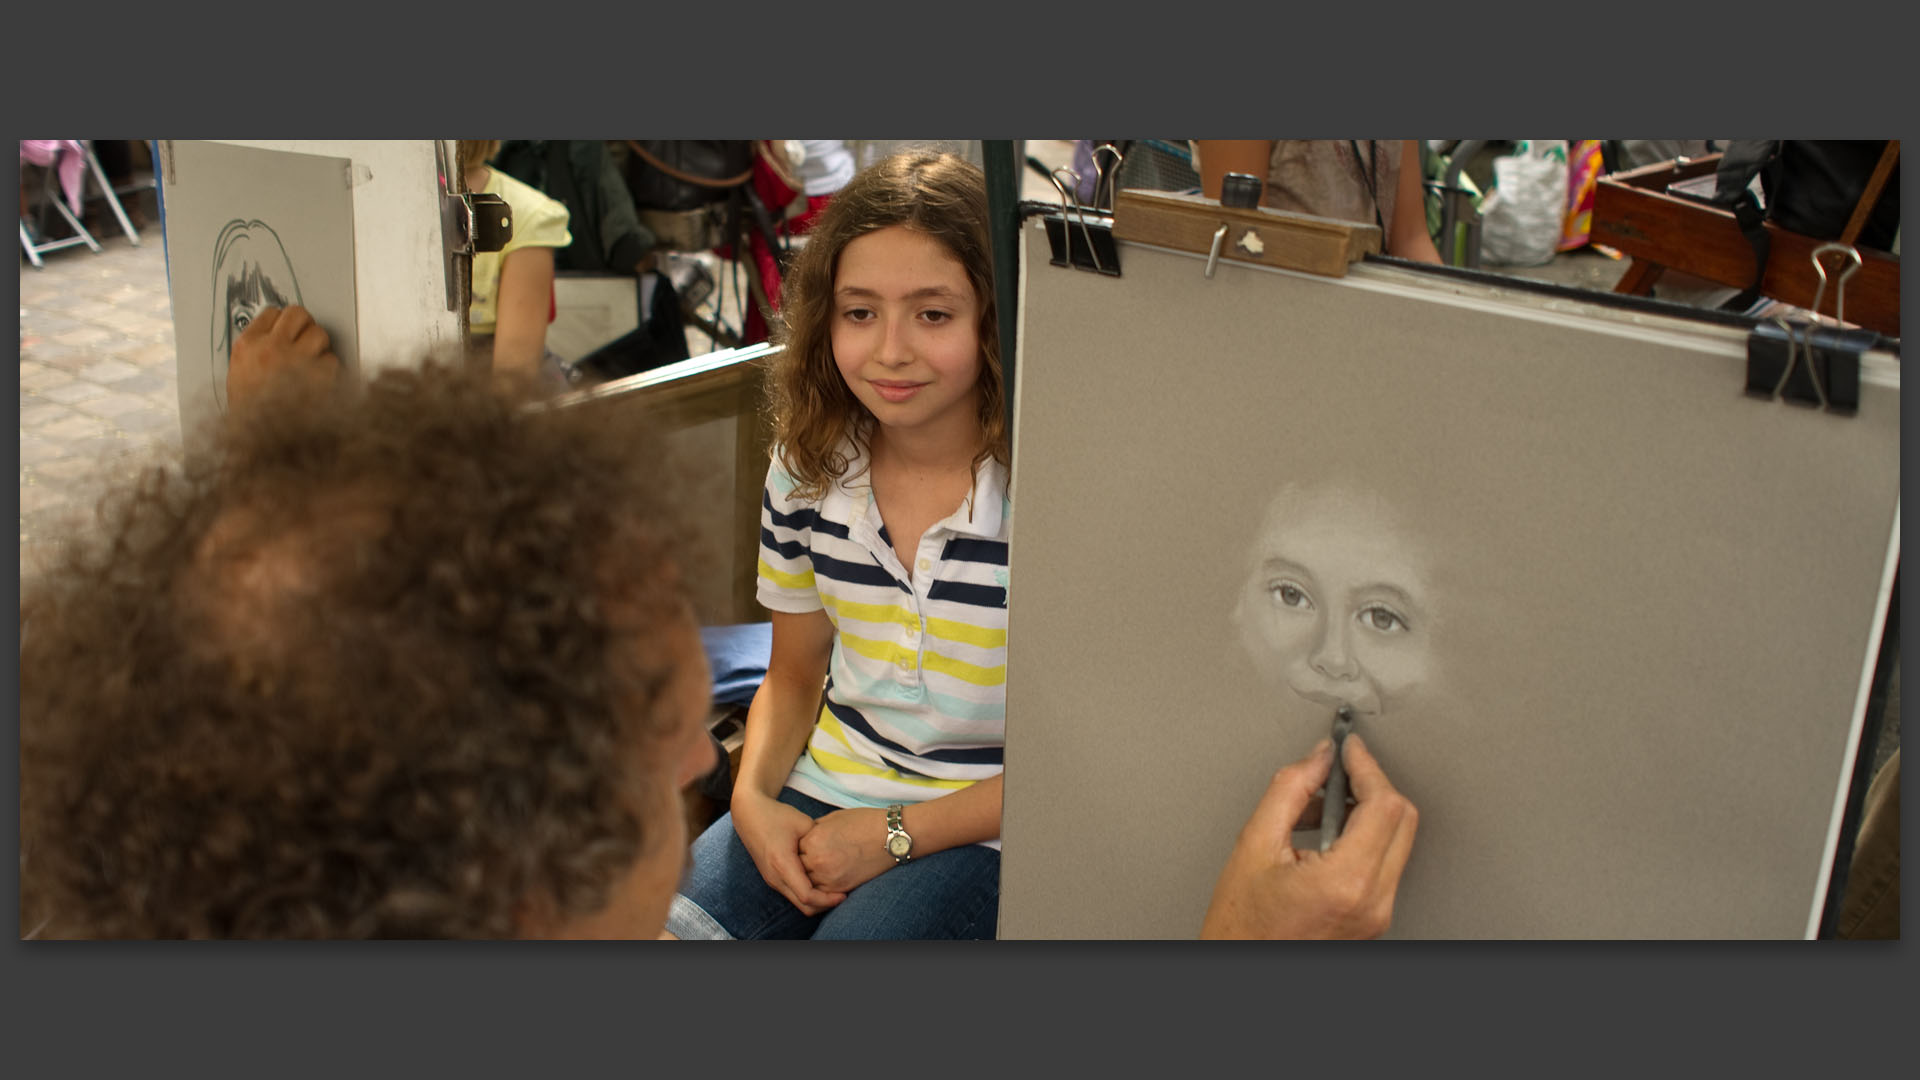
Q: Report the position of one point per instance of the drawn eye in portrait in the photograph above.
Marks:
(1336, 606)
(251, 272)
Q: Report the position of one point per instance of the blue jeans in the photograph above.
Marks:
(946, 895)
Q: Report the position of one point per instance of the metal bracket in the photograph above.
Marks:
(471, 223)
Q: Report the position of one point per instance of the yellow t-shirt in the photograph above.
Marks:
(538, 221)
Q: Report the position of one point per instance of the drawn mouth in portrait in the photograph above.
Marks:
(251, 272)
(1336, 606)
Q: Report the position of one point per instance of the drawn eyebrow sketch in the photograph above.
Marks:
(1336, 605)
(251, 272)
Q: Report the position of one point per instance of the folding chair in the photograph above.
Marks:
(48, 194)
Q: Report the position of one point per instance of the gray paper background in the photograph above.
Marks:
(1658, 594)
(308, 202)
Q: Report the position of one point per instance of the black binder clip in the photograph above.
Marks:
(1080, 236)
(1810, 365)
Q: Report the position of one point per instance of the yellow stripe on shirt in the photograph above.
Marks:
(967, 633)
(873, 613)
(884, 651)
(786, 580)
(965, 672)
(834, 763)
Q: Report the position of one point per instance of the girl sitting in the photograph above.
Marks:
(874, 812)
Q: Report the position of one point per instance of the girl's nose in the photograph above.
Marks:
(1332, 654)
(892, 349)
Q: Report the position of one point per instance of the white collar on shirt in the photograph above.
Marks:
(980, 515)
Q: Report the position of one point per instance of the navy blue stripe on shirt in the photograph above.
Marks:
(803, 519)
(985, 755)
(960, 592)
(968, 549)
(856, 573)
(792, 549)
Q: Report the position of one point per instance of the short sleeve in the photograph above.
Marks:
(538, 221)
(786, 547)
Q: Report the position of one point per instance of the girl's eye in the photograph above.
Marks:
(1291, 595)
(1383, 620)
(936, 317)
(240, 321)
(856, 314)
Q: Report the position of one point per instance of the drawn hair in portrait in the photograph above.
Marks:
(251, 272)
(1337, 606)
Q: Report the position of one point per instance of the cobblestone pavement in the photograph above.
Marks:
(97, 392)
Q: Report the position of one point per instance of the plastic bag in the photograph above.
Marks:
(1523, 215)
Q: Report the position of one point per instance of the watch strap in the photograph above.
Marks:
(897, 827)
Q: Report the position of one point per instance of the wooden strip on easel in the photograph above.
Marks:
(1281, 238)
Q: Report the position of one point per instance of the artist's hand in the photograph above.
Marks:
(846, 848)
(771, 831)
(1271, 890)
(280, 343)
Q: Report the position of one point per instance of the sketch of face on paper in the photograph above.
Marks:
(1336, 607)
(251, 272)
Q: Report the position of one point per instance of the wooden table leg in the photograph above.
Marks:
(1639, 278)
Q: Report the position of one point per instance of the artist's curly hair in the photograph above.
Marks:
(379, 667)
(809, 404)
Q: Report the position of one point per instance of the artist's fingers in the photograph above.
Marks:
(262, 324)
(292, 321)
(1287, 795)
(312, 341)
(1378, 806)
(1365, 778)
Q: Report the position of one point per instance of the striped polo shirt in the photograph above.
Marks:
(916, 689)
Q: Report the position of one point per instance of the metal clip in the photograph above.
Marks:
(1840, 287)
(470, 223)
(1213, 255)
(1095, 229)
(1105, 177)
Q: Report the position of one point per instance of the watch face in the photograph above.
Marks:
(899, 844)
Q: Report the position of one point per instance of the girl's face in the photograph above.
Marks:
(906, 333)
(1335, 607)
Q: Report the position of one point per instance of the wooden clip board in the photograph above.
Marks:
(1279, 238)
(1651, 604)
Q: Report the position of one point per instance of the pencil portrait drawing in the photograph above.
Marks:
(1336, 606)
(251, 272)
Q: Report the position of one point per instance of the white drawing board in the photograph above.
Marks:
(1608, 621)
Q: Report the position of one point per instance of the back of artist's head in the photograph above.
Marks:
(405, 665)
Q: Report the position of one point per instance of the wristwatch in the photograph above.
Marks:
(899, 844)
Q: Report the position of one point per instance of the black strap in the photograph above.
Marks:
(1739, 164)
(1753, 226)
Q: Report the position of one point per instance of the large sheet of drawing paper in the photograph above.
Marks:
(1606, 620)
(248, 229)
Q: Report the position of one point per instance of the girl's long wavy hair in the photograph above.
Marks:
(811, 408)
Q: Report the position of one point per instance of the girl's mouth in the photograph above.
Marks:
(896, 391)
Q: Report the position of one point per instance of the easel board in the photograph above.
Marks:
(1630, 618)
(353, 227)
